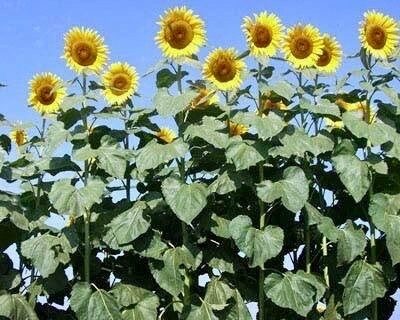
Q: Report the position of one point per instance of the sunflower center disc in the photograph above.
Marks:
(84, 54)
(223, 70)
(179, 34)
(261, 36)
(19, 137)
(324, 58)
(376, 37)
(120, 85)
(46, 95)
(301, 48)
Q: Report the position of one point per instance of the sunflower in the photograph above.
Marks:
(237, 129)
(166, 135)
(120, 82)
(331, 56)
(181, 33)
(223, 69)
(84, 50)
(204, 98)
(302, 45)
(267, 104)
(379, 34)
(263, 34)
(333, 124)
(350, 106)
(46, 92)
(19, 136)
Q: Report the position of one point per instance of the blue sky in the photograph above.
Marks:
(32, 34)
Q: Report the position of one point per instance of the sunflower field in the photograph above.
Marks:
(277, 191)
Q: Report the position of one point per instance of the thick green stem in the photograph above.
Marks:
(325, 254)
(86, 216)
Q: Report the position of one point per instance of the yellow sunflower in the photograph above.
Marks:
(331, 57)
(19, 136)
(237, 129)
(181, 33)
(204, 98)
(120, 82)
(84, 50)
(223, 69)
(267, 105)
(166, 135)
(263, 34)
(333, 124)
(351, 106)
(302, 45)
(46, 92)
(379, 34)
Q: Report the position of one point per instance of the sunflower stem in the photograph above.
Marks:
(182, 172)
(86, 216)
(261, 272)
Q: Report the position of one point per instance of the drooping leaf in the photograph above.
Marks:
(292, 189)
(210, 130)
(68, 199)
(80, 296)
(363, 284)
(103, 306)
(168, 105)
(185, 200)
(297, 291)
(217, 295)
(351, 243)
(258, 245)
(243, 155)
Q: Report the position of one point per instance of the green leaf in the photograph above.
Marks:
(258, 245)
(165, 78)
(209, 131)
(384, 210)
(138, 303)
(297, 291)
(237, 311)
(185, 200)
(298, 143)
(203, 312)
(351, 243)
(282, 88)
(55, 136)
(169, 273)
(154, 154)
(354, 174)
(67, 199)
(242, 155)
(324, 107)
(103, 306)
(220, 226)
(47, 252)
(80, 296)
(292, 189)
(217, 295)
(168, 105)
(266, 127)
(127, 226)
(15, 307)
(363, 284)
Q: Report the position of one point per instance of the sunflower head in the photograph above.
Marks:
(166, 135)
(302, 45)
(263, 34)
(223, 69)
(350, 106)
(19, 136)
(84, 50)
(120, 82)
(205, 98)
(331, 57)
(181, 33)
(268, 104)
(46, 93)
(237, 129)
(379, 34)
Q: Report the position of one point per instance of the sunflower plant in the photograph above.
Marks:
(262, 186)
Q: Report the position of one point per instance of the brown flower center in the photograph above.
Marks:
(179, 34)
(83, 53)
(301, 47)
(20, 137)
(46, 94)
(223, 69)
(324, 58)
(120, 84)
(376, 37)
(261, 36)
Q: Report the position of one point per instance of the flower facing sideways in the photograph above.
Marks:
(166, 135)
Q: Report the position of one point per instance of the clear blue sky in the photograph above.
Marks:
(32, 32)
